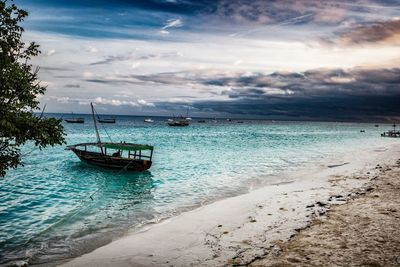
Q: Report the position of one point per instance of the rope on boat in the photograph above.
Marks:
(123, 169)
(109, 137)
(94, 193)
(126, 166)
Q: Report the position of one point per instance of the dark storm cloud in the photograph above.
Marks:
(355, 94)
(357, 81)
(347, 108)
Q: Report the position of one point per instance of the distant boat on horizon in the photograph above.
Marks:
(178, 122)
(74, 120)
(148, 120)
(391, 133)
(105, 120)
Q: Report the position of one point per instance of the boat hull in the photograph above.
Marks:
(74, 121)
(110, 162)
(178, 124)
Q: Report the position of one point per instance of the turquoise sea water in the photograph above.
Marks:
(46, 213)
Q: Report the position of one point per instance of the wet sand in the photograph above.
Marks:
(363, 232)
(261, 228)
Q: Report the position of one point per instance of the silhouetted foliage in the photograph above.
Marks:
(19, 88)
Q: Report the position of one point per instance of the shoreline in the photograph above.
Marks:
(239, 230)
(361, 232)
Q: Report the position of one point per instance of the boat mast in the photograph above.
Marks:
(95, 126)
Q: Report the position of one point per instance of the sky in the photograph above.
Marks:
(283, 59)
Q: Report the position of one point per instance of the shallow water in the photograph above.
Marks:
(46, 212)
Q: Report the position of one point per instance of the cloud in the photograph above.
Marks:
(263, 15)
(325, 108)
(356, 81)
(173, 23)
(370, 33)
(143, 102)
(61, 99)
(110, 59)
(125, 57)
(51, 52)
(114, 102)
(56, 69)
(357, 93)
(103, 101)
(91, 49)
(164, 32)
(282, 12)
(72, 86)
(277, 54)
(135, 65)
(318, 94)
(118, 102)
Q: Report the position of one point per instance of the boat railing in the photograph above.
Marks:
(391, 133)
(135, 154)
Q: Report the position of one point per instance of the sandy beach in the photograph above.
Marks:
(269, 225)
(363, 232)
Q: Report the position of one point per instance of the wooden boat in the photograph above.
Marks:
(178, 122)
(394, 134)
(75, 120)
(124, 156)
(104, 120)
(391, 133)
